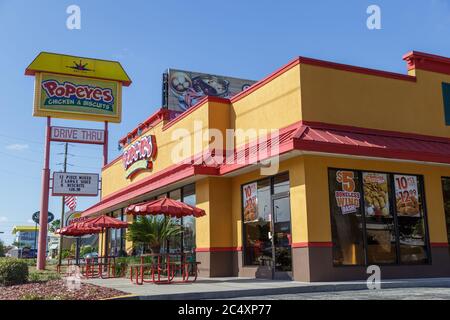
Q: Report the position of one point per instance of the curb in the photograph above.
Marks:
(431, 283)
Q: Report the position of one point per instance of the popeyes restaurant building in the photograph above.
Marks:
(363, 177)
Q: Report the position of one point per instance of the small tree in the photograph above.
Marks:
(152, 232)
(56, 224)
(2, 249)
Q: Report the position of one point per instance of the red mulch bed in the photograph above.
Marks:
(56, 290)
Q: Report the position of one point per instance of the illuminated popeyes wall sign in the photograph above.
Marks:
(139, 155)
(77, 88)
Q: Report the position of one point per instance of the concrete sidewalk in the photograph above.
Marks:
(225, 288)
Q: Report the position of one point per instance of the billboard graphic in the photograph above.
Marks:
(183, 89)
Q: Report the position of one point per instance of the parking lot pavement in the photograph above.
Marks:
(383, 294)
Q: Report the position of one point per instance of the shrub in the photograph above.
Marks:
(43, 276)
(13, 271)
(29, 262)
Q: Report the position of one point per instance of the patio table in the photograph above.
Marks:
(163, 269)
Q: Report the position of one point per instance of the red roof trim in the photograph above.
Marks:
(426, 61)
(356, 69)
(199, 104)
(379, 132)
(157, 117)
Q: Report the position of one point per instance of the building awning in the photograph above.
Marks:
(364, 142)
(304, 136)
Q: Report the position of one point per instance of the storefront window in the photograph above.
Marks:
(267, 223)
(380, 224)
(189, 222)
(184, 242)
(391, 228)
(411, 222)
(257, 224)
(116, 243)
(346, 217)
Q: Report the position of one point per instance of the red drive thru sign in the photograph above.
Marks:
(90, 136)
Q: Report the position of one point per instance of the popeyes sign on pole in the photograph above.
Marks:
(70, 87)
(74, 88)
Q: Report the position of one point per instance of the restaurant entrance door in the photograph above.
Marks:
(281, 237)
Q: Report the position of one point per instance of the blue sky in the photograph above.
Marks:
(247, 39)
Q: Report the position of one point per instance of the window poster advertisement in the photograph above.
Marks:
(250, 205)
(347, 198)
(406, 196)
(376, 196)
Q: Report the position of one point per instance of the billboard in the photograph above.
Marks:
(75, 184)
(183, 89)
(77, 98)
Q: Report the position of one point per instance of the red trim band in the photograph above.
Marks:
(428, 62)
(325, 244)
(439, 245)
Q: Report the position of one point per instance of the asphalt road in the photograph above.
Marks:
(383, 294)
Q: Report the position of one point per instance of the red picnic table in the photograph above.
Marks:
(163, 269)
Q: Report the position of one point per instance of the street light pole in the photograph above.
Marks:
(61, 224)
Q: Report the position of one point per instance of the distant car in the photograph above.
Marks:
(91, 255)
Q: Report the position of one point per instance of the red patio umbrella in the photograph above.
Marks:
(165, 206)
(103, 222)
(75, 230)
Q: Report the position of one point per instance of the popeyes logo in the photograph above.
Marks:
(68, 90)
(139, 155)
(347, 199)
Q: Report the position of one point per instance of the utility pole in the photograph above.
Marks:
(61, 238)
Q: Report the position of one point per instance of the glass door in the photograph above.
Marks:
(281, 237)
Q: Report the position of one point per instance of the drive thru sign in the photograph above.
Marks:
(75, 184)
(91, 136)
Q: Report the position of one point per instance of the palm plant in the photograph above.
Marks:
(152, 232)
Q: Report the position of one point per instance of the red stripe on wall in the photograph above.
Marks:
(439, 245)
(312, 245)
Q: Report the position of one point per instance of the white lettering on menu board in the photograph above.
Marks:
(79, 184)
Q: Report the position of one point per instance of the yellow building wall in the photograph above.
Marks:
(214, 230)
(361, 100)
(211, 114)
(317, 194)
(273, 106)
